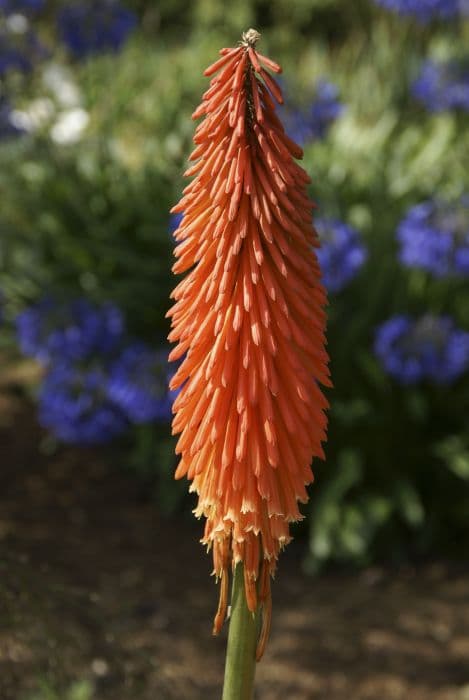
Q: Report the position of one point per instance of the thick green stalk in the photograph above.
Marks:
(240, 662)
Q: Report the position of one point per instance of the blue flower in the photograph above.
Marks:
(430, 347)
(434, 236)
(49, 331)
(443, 86)
(426, 10)
(96, 383)
(311, 123)
(341, 254)
(138, 384)
(73, 405)
(89, 28)
(94, 400)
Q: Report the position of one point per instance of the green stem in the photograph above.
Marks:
(240, 663)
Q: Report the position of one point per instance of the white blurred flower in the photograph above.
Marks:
(58, 79)
(16, 23)
(37, 113)
(69, 126)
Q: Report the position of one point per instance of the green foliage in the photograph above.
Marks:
(79, 690)
(92, 218)
(78, 222)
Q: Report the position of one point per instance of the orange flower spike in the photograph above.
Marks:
(249, 319)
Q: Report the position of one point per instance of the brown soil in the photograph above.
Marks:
(101, 598)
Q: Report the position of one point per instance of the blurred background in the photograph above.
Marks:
(95, 130)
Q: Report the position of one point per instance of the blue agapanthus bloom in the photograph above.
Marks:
(138, 384)
(95, 26)
(305, 124)
(341, 254)
(73, 405)
(97, 382)
(434, 236)
(50, 331)
(429, 348)
(443, 86)
(427, 10)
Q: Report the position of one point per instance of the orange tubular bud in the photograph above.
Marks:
(249, 322)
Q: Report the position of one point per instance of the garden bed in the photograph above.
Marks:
(102, 598)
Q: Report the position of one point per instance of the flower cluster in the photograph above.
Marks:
(97, 381)
(434, 236)
(249, 320)
(427, 10)
(88, 28)
(311, 123)
(341, 254)
(74, 406)
(430, 348)
(443, 86)
(85, 28)
(72, 331)
(138, 384)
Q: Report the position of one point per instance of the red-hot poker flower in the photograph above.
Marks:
(249, 322)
